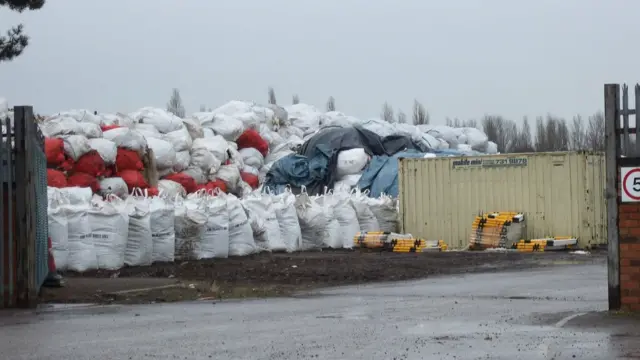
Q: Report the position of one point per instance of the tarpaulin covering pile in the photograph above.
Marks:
(316, 166)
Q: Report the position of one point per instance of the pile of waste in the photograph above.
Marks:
(89, 231)
(239, 147)
(148, 186)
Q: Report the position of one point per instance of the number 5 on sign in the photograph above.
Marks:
(630, 184)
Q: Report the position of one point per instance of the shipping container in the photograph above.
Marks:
(560, 194)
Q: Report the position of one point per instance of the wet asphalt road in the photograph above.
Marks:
(519, 315)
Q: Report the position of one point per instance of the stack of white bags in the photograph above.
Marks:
(90, 232)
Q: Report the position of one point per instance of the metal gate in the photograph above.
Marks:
(23, 204)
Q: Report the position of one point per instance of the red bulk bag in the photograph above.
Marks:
(109, 127)
(212, 185)
(128, 160)
(252, 139)
(250, 179)
(67, 164)
(133, 179)
(90, 163)
(83, 180)
(54, 150)
(56, 178)
(152, 191)
(187, 182)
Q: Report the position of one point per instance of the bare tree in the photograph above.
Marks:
(552, 134)
(272, 96)
(203, 108)
(331, 104)
(457, 123)
(523, 141)
(295, 100)
(594, 139)
(387, 113)
(541, 142)
(501, 131)
(420, 114)
(402, 117)
(175, 105)
(578, 134)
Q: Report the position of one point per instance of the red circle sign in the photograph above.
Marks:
(624, 184)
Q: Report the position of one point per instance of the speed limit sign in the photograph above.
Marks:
(630, 178)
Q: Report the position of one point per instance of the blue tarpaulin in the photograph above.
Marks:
(381, 176)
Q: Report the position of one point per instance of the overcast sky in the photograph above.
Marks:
(462, 58)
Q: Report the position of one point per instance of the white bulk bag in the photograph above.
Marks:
(208, 133)
(171, 189)
(180, 139)
(273, 138)
(81, 116)
(216, 145)
(183, 159)
(190, 224)
(351, 161)
(106, 148)
(91, 130)
(194, 128)
(234, 156)
(162, 229)
(163, 120)
(58, 227)
(251, 170)
(148, 130)
(114, 186)
(227, 126)
(139, 248)
(126, 138)
(205, 160)
(234, 107)
(109, 221)
(464, 148)
(332, 236)
(197, 174)
(366, 218)
(384, 208)
(77, 195)
(430, 141)
(446, 133)
(241, 242)
(492, 148)
(60, 125)
(163, 152)
(252, 157)
(115, 119)
(313, 222)
(215, 241)
(347, 182)
(264, 222)
(346, 215)
(288, 220)
(75, 146)
(277, 153)
(230, 175)
(82, 252)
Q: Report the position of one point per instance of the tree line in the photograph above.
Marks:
(551, 133)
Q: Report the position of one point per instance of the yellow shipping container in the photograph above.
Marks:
(559, 193)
